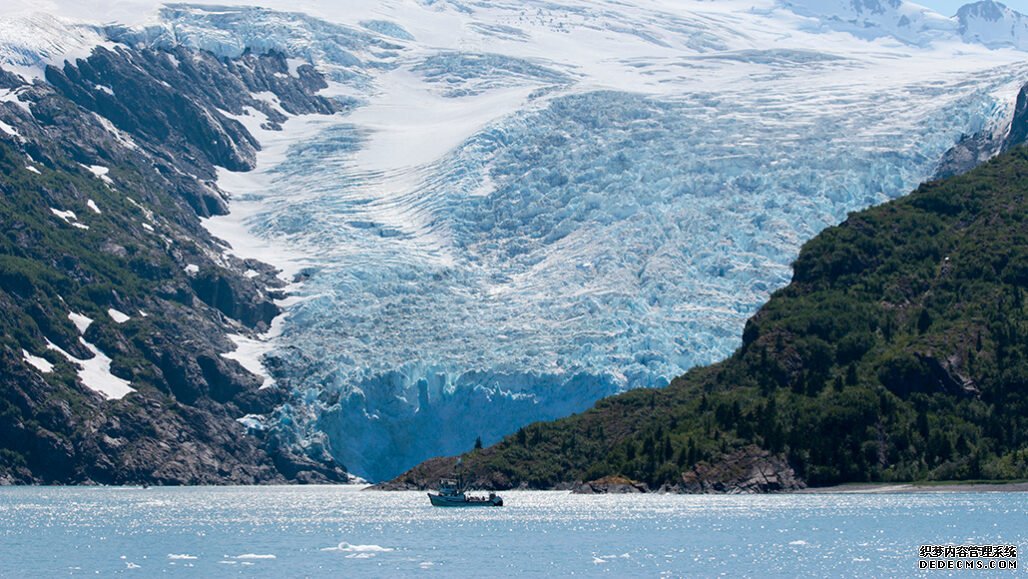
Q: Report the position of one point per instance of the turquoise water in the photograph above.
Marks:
(344, 532)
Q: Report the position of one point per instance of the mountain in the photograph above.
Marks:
(442, 202)
(898, 352)
(987, 23)
(900, 19)
(117, 309)
(993, 24)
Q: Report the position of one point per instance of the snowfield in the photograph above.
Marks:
(532, 205)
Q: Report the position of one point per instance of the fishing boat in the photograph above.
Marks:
(451, 494)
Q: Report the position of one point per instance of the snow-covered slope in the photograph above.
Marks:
(531, 205)
(904, 20)
(29, 42)
(987, 22)
(993, 24)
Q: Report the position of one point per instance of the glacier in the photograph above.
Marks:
(529, 206)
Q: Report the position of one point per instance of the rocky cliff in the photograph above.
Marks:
(115, 303)
(973, 150)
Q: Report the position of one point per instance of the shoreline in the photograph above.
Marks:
(920, 487)
(845, 488)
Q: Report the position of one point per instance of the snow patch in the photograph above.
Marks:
(9, 130)
(117, 316)
(41, 364)
(32, 169)
(294, 65)
(92, 205)
(11, 96)
(81, 321)
(192, 269)
(100, 172)
(95, 373)
(68, 216)
(248, 354)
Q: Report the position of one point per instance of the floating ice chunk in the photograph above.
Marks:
(798, 542)
(38, 363)
(252, 556)
(117, 316)
(182, 557)
(81, 322)
(348, 548)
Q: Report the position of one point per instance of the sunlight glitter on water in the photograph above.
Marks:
(332, 531)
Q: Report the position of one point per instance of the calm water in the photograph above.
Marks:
(343, 532)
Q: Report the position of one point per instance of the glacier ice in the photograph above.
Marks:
(622, 239)
(532, 205)
(613, 225)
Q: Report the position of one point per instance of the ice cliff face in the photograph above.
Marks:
(527, 207)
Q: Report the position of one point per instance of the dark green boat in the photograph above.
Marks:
(451, 494)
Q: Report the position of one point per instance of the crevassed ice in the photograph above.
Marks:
(625, 239)
(567, 202)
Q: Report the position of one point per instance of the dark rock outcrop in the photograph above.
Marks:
(973, 150)
(748, 470)
(613, 485)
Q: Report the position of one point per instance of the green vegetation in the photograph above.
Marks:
(899, 352)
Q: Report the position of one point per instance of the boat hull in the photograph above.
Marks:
(463, 501)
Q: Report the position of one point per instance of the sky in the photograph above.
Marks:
(949, 7)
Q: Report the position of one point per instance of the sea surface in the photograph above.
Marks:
(326, 531)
